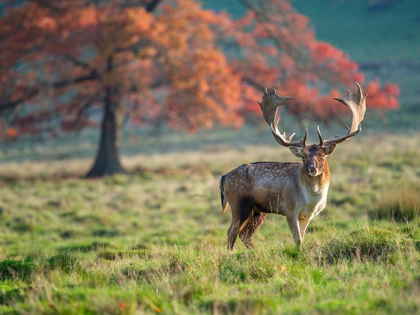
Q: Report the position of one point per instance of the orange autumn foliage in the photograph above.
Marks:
(279, 50)
(190, 67)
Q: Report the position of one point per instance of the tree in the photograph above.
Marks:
(63, 58)
(173, 62)
(280, 50)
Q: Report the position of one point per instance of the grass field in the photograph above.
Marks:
(154, 241)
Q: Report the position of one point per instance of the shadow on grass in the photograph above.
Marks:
(361, 245)
(17, 269)
(37, 263)
(251, 305)
(399, 203)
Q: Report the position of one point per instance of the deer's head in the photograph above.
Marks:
(313, 156)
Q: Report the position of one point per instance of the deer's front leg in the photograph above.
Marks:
(303, 224)
(293, 222)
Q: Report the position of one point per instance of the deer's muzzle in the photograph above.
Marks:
(312, 170)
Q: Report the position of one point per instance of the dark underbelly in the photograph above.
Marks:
(263, 209)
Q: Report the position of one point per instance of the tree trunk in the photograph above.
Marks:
(107, 160)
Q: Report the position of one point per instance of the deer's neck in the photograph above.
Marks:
(315, 184)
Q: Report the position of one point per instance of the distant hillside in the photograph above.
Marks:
(382, 35)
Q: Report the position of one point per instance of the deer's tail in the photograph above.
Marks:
(222, 194)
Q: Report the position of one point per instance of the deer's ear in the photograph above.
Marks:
(297, 151)
(329, 148)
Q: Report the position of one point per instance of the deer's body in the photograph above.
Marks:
(278, 188)
(255, 189)
(296, 190)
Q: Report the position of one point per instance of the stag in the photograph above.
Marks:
(297, 191)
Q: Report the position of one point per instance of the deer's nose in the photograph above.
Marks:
(312, 167)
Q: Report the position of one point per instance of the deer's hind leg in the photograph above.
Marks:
(252, 225)
(240, 216)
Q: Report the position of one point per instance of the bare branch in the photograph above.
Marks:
(90, 77)
(33, 92)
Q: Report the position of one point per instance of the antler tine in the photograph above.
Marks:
(321, 139)
(305, 138)
(356, 102)
(282, 139)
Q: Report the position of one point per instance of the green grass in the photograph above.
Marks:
(154, 241)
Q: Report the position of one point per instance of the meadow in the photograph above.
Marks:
(154, 240)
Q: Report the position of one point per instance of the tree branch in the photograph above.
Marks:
(253, 83)
(10, 105)
(32, 93)
(90, 77)
(152, 5)
(261, 15)
(78, 62)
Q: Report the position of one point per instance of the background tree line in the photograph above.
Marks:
(162, 61)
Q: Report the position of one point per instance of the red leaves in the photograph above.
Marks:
(47, 23)
(300, 65)
(385, 97)
(89, 16)
(334, 66)
(182, 64)
(11, 133)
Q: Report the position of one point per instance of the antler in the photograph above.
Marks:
(270, 102)
(270, 105)
(356, 102)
